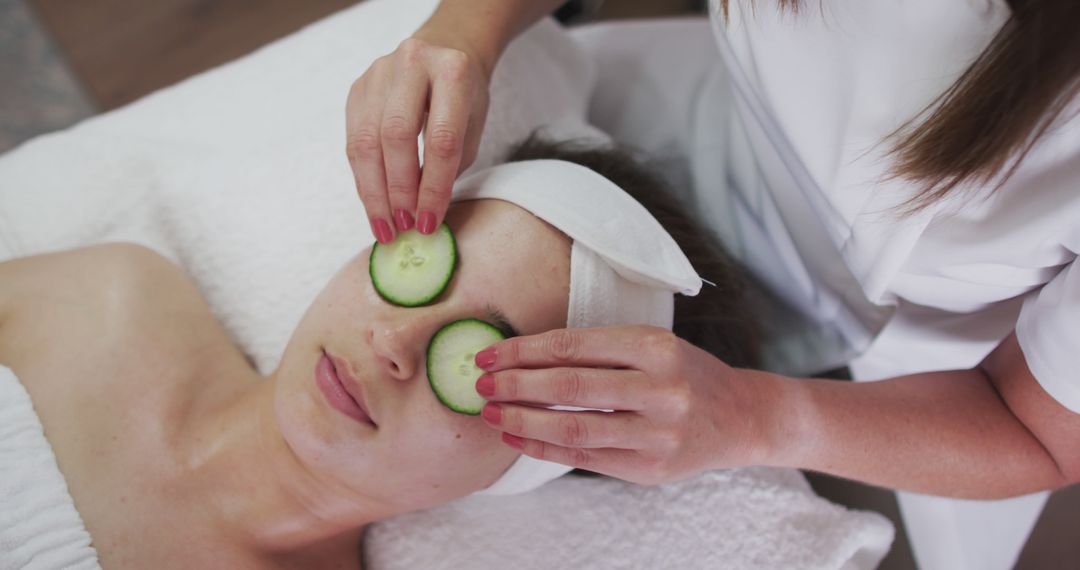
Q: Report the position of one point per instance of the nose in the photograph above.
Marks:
(398, 344)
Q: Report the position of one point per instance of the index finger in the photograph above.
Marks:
(444, 143)
(620, 347)
(364, 152)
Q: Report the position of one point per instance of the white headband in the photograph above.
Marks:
(624, 266)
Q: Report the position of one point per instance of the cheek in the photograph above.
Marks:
(449, 459)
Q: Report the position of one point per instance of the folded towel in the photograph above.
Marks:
(239, 175)
(756, 519)
(39, 526)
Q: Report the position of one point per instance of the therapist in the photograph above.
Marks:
(905, 174)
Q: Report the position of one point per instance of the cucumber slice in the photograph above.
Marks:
(451, 368)
(415, 268)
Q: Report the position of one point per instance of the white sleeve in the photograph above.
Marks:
(1048, 331)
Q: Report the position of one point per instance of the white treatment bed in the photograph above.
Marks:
(239, 175)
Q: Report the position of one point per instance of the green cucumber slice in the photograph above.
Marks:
(451, 367)
(415, 268)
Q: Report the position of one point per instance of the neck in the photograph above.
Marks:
(236, 461)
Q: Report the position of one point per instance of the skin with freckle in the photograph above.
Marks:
(167, 437)
(387, 344)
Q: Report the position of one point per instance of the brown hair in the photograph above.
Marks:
(982, 127)
(719, 319)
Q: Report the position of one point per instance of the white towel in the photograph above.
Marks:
(39, 526)
(754, 519)
(239, 175)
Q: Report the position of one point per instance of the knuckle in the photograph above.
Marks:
(541, 450)
(677, 403)
(363, 144)
(659, 345)
(398, 188)
(570, 388)
(455, 65)
(368, 195)
(396, 129)
(579, 458)
(411, 48)
(357, 86)
(512, 420)
(509, 350)
(440, 195)
(563, 345)
(572, 431)
(661, 340)
(379, 65)
(507, 385)
(444, 142)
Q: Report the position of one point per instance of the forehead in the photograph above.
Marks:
(511, 259)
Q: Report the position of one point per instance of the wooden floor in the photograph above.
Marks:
(121, 50)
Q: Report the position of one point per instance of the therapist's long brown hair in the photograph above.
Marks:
(982, 127)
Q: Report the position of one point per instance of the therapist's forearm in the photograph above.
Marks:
(941, 433)
(486, 26)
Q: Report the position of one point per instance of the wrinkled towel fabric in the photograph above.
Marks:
(753, 519)
(39, 526)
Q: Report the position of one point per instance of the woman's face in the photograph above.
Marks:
(420, 453)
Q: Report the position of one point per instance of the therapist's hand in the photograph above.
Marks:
(678, 409)
(433, 84)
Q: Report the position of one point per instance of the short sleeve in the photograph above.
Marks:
(1048, 331)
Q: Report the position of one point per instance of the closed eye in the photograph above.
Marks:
(496, 317)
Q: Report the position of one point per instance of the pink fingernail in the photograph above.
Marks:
(403, 220)
(485, 386)
(492, 414)
(486, 358)
(382, 230)
(426, 225)
(513, 441)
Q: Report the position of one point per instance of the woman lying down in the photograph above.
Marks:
(177, 453)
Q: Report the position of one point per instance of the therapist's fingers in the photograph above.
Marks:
(586, 429)
(606, 461)
(625, 346)
(364, 150)
(643, 466)
(455, 119)
(584, 387)
(402, 121)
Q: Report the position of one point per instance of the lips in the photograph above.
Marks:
(341, 389)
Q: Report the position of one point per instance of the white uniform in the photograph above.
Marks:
(789, 165)
(961, 275)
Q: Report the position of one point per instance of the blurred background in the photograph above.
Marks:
(65, 60)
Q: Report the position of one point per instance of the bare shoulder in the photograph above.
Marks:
(101, 286)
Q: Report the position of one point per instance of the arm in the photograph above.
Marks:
(483, 27)
(988, 432)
